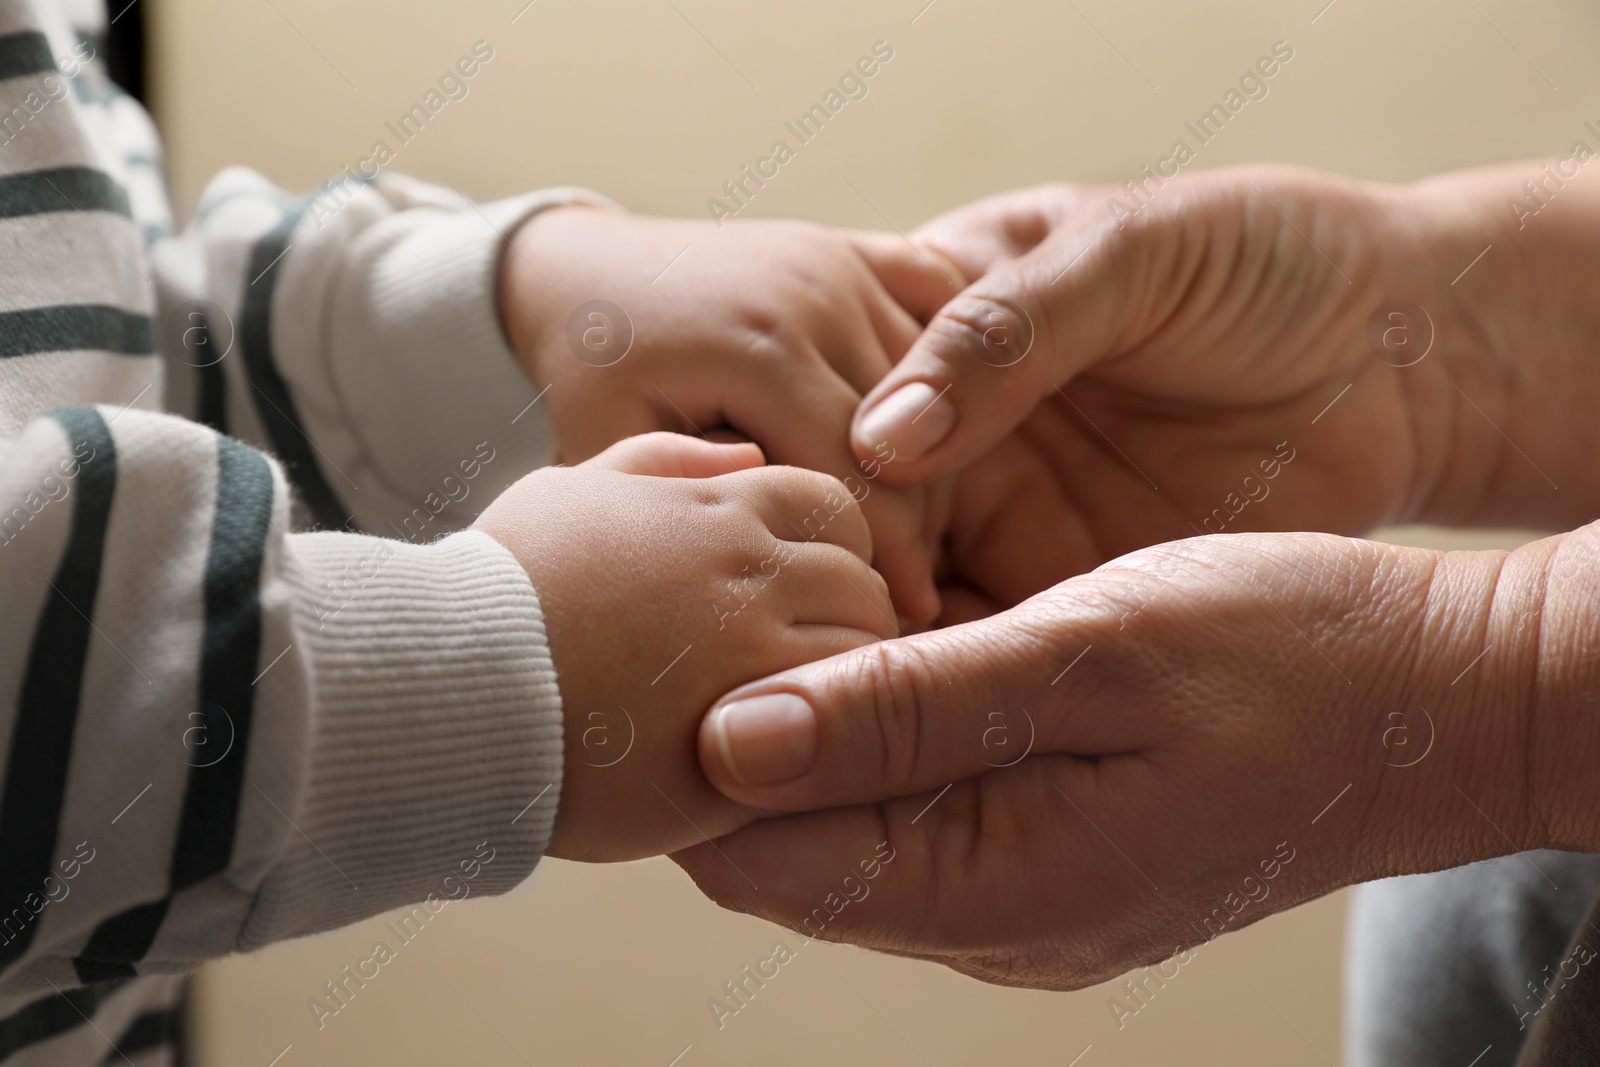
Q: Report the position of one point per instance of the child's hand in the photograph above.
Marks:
(773, 330)
(665, 581)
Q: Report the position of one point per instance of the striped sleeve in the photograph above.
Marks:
(356, 335)
(219, 733)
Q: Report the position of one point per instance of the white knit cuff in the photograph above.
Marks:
(421, 360)
(435, 729)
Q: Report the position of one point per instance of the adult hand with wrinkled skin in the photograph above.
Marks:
(1230, 688)
(1171, 353)
(1196, 710)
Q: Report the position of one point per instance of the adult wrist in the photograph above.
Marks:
(1563, 729)
(1488, 743)
(1511, 380)
(1445, 764)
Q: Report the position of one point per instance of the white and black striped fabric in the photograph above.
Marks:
(216, 731)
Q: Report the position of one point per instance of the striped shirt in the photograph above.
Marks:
(230, 711)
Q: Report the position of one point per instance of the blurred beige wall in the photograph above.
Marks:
(658, 102)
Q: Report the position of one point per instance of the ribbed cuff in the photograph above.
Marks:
(422, 360)
(435, 729)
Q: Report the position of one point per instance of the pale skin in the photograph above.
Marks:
(1237, 690)
(767, 331)
(665, 546)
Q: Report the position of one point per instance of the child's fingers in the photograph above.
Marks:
(896, 331)
(866, 335)
(801, 415)
(823, 585)
(804, 505)
(895, 325)
(920, 279)
(673, 455)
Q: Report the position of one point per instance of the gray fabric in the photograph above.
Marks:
(1438, 966)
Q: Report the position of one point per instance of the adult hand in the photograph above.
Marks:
(1113, 380)
(1214, 730)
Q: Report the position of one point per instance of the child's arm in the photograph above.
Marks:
(356, 335)
(406, 349)
(223, 734)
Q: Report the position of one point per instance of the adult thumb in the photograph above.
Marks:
(882, 721)
(990, 354)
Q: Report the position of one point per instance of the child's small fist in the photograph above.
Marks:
(670, 571)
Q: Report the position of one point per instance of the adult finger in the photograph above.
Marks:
(785, 869)
(920, 280)
(902, 716)
(1012, 531)
(916, 875)
(992, 352)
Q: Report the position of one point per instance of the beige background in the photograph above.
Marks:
(657, 103)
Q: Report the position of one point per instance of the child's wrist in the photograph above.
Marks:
(530, 305)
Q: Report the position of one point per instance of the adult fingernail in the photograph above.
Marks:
(910, 420)
(767, 739)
